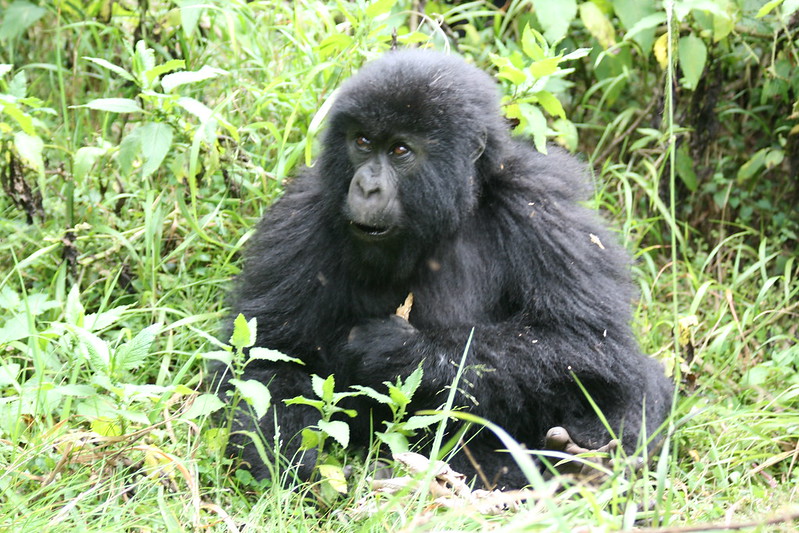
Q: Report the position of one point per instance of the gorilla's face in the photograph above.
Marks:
(382, 164)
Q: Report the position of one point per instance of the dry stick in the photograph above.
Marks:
(779, 519)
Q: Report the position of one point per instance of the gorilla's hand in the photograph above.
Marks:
(382, 349)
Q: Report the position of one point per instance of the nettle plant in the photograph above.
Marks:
(166, 119)
(327, 400)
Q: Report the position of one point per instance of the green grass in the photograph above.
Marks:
(102, 426)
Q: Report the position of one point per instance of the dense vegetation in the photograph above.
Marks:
(140, 141)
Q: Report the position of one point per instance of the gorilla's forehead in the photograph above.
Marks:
(419, 91)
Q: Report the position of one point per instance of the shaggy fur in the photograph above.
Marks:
(500, 244)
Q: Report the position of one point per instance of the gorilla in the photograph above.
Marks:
(420, 189)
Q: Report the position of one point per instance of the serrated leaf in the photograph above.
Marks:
(412, 382)
(255, 393)
(223, 356)
(328, 388)
(373, 394)
(133, 353)
(110, 66)
(203, 405)
(243, 335)
(334, 475)
(421, 421)
(172, 81)
(29, 148)
(113, 105)
(338, 430)
(319, 405)
(692, 55)
(273, 355)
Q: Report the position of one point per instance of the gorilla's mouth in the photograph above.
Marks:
(369, 232)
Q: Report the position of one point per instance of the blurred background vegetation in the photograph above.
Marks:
(140, 141)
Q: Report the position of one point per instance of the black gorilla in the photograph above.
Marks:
(421, 189)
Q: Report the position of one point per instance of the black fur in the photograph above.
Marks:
(500, 244)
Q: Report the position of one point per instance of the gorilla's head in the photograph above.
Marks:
(411, 140)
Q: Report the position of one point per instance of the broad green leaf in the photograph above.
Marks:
(24, 120)
(244, 333)
(421, 421)
(203, 405)
(84, 160)
(114, 105)
(567, 134)
(555, 17)
(396, 442)
(133, 353)
(172, 81)
(598, 24)
(537, 125)
(692, 55)
(334, 475)
(550, 104)
(338, 430)
(272, 355)
(255, 394)
(18, 17)
(29, 148)
(196, 108)
(9, 373)
(412, 382)
(223, 356)
(156, 140)
(544, 67)
(373, 394)
(310, 439)
(74, 312)
(530, 44)
(110, 66)
(328, 388)
(106, 427)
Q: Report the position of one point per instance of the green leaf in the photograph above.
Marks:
(29, 148)
(421, 421)
(18, 17)
(156, 140)
(373, 394)
(310, 439)
(328, 388)
(550, 104)
(114, 105)
(273, 355)
(110, 66)
(74, 312)
(172, 81)
(203, 405)
(133, 353)
(338, 430)
(255, 394)
(751, 168)
(106, 427)
(555, 17)
(692, 55)
(537, 126)
(380, 7)
(169, 66)
(768, 8)
(244, 333)
(84, 160)
(396, 442)
(544, 67)
(567, 134)
(5, 68)
(598, 24)
(23, 119)
(530, 44)
(334, 475)
(685, 169)
(412, 382)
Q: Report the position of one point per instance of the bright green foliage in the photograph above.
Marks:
(140, 142)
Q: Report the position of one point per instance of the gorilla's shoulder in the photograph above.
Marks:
(556, 174)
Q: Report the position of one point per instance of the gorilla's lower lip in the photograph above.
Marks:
(366, 231)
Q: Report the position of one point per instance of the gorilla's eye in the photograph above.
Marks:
(400, 149)
(363, 143)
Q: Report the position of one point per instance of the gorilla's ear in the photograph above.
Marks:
(480, 145)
